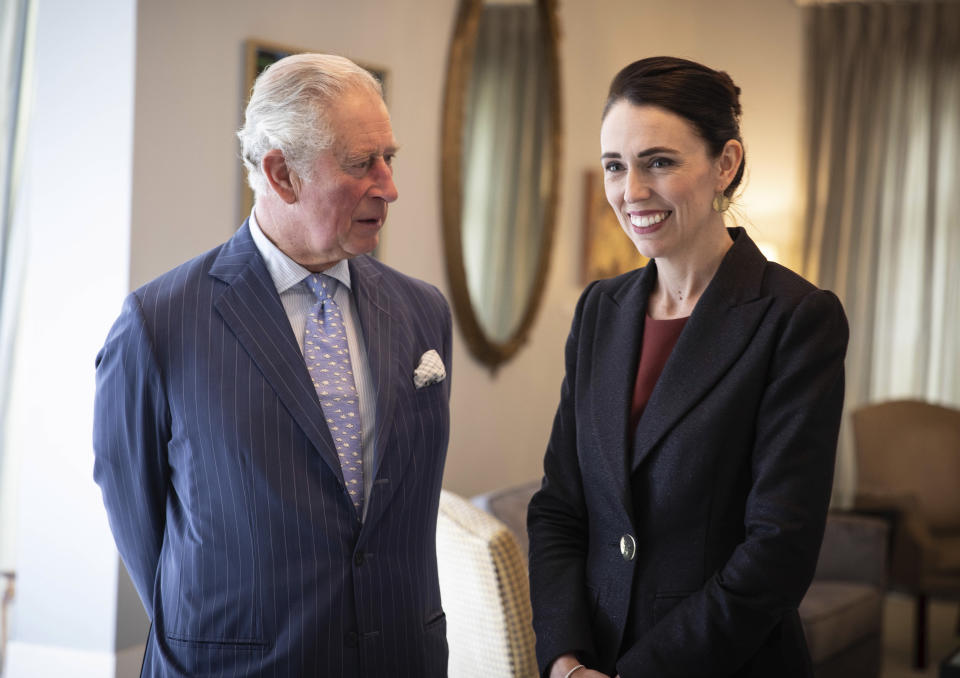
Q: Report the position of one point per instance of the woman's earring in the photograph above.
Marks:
(720, 202)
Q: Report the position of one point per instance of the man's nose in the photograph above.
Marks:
(383, 177)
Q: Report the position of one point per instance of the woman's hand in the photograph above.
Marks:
(565, 662)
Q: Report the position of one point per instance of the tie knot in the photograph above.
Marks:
(322, 286)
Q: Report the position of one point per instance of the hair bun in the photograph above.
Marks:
(733, 90)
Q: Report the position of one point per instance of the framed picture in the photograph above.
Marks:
(607, 251)
(259, 55)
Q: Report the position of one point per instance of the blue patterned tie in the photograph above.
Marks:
(328, 361)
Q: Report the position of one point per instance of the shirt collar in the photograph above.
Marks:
(284, 271)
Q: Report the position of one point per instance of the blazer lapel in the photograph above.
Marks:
(381, 337)
(719, 330)
(251, 308)
(616, 349)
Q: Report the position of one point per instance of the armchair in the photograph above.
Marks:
(842, 612)
(908, 469)
(485, 593)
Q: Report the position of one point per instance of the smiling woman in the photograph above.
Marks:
(688, 474)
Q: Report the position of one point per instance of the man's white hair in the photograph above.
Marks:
(288, 108)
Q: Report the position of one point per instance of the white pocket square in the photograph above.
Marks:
(430, 370)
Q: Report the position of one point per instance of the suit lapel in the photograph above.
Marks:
(616, 347)
(376, 307)
(251, 308)
(719, 330)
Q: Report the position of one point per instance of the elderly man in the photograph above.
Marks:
(272, 417)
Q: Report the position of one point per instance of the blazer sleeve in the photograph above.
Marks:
(718, 629)
(557, 529)
(130, 433)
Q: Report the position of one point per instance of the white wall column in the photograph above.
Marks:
(73, 613)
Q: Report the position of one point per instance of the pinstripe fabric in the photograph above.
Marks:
(225, 494)
(288, 278)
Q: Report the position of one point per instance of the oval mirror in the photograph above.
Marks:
(500, 167)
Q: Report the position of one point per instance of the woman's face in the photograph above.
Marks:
(659, 178)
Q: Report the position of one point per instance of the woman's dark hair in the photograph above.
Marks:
(708, 99)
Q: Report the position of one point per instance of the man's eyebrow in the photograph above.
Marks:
(364, 153)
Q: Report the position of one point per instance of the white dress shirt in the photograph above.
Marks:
(297, 299)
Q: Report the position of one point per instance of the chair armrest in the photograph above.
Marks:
(912, 544)
(854, 549)
(509, 506)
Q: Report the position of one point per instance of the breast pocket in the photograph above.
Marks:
(429, 397)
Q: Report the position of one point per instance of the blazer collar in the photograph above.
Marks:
(721, 326)
(251, 308)
(615, 354)
(717, 332)
(377, 307)
(390, 356)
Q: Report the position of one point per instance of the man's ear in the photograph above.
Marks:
(281, 177)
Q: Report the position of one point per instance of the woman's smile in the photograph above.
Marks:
(647, 221)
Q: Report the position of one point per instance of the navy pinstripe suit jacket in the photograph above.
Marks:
(225, 494)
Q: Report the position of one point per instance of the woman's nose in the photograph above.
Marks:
(637, 189)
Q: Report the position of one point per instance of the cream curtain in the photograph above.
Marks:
(504, 146)
(884, 197)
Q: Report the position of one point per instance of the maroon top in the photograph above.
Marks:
(659, 338)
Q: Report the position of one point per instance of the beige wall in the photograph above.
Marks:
(186, 172)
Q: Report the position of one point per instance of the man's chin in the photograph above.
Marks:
(363, 246)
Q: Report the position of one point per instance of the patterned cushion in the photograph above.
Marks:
(486, 596)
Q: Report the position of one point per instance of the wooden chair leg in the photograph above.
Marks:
(920, 640)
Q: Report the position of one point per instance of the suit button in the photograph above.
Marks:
(628, 547)
(351, 639)
(358, 558)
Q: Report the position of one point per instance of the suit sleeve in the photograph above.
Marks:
(130, 433)
(718, 629)
(557, 528)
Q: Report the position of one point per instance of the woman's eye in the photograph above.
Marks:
(660, 163)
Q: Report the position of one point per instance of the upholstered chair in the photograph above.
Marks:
(485, 593)
(908, 470)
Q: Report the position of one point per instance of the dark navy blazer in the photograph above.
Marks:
(225, 494)
(723, 486)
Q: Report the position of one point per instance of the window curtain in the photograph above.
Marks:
(883, 197)
(504, 146)
(14, 33)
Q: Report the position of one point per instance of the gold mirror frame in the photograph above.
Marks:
(462, 47)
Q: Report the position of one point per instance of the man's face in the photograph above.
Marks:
(341, 208)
